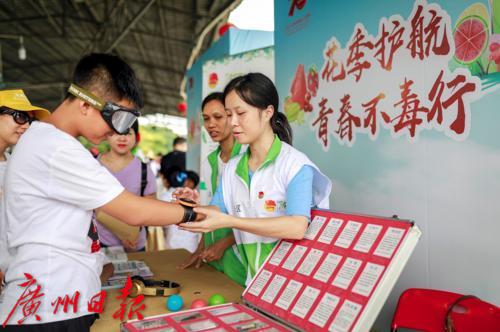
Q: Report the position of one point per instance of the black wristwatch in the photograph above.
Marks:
(189, 214)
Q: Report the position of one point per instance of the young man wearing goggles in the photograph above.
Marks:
(119, 118)
(53, 185)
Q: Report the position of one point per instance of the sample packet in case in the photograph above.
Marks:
(335, 279)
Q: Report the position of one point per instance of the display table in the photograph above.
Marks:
(195, 283)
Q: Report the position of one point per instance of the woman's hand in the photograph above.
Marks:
(195, 258)
(187, 193)
(130, 244)
(217, 250)
(107, 272)
(214, 220)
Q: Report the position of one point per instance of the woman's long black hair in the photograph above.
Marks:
(258, 90)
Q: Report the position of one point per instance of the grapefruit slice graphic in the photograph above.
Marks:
(471, 38)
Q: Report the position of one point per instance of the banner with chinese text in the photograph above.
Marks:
(398, 103)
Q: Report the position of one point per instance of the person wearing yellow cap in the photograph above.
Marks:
(16, 114)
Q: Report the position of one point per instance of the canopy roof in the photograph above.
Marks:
(157, 38)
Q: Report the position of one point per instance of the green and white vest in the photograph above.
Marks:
(265, 196)
(211, 171)
(230, 263)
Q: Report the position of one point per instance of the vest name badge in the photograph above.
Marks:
(271, 205)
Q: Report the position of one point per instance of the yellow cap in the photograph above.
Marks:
(17, 100)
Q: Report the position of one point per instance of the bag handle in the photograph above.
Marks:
(448, 321)
(144, 177)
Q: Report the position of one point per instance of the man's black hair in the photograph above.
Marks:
(109, 76)
(179, 140)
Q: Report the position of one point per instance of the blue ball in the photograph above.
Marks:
(174, 302)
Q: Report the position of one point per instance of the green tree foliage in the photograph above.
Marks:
(154, 140)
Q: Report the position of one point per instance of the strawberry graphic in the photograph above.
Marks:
(299, 87)
(312, 80)
(495, 54)
(301, 93)
(307, 104)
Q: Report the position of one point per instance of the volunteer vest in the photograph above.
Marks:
(212, 159)
(230, 263)
(265, 196)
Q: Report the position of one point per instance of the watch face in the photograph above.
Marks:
(187, 202)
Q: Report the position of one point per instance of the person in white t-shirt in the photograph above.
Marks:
(53, 185)
(175, 238)
(16, 114)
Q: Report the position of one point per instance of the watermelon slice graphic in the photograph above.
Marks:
(471, 39)
(299, 86)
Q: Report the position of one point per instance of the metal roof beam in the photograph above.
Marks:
(49, 37)
(130, 26)
(187, 43)
(167, 51)
(158, 88)
(166, 92)
(44, 64)
(12, 65)
(213, 5)
(48, 16)
(169, 9)
(103, 26)
(23, 19)
(60, 31)
(92, 12)
(29, 19)
(40, 41)
(39, 86)
(155, 66)
(149, 69)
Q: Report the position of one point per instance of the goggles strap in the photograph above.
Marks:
(86, 96)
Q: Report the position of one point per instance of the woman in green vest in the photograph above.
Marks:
(218, 248)
(266, 193)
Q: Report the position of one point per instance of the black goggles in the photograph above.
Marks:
(19, 117)
(119, 118)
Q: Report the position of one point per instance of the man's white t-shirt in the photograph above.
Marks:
(53, 184)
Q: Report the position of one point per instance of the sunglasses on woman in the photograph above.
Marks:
(19, 117)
